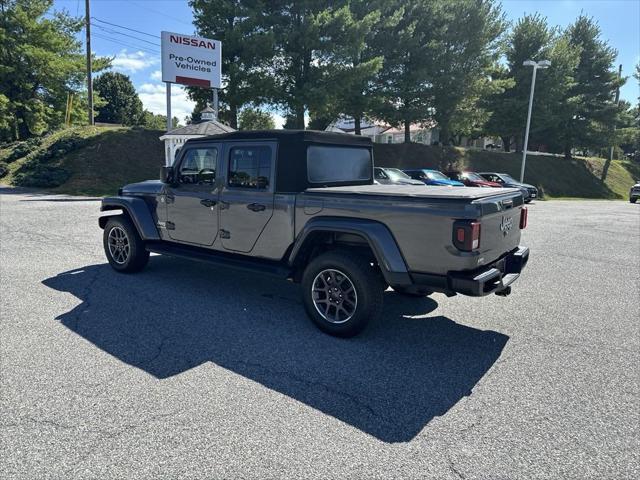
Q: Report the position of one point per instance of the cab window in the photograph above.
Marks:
(199, 166)
(250, 167)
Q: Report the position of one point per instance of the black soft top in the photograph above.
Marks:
(291, 167)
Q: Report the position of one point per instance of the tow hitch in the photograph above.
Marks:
(504, 292)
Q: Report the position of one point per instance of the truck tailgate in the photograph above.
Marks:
(500, 224)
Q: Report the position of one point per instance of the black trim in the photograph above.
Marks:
(493, 278)
(139, 212)
(224, 259)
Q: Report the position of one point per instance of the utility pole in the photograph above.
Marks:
(607, 164)
(87, 22)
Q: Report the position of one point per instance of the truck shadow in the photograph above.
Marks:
(388, 382)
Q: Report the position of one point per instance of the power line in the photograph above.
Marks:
(115, 32)
(158, 12)
(136, 47)
(126, 28)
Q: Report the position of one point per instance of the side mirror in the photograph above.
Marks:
(166, 174)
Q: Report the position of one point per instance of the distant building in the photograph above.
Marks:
(379, 132)
(208, 125)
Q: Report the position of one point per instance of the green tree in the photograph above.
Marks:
(41, 61)
(404, 82)
(532, 39)
(254, 119)
(465, 49)
(313, 41)
(247, 53)
(122, 102)
(589, 109)
(157, 121)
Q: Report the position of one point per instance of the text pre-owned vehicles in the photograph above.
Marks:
(471, 179)
(393, 176)
(634, 192)
(432, 177)
(302, 205)
(505, 180)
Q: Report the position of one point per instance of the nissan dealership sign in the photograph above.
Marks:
(191, 60)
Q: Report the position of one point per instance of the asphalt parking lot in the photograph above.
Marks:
(188, 371)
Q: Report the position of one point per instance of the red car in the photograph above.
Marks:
(471, 179)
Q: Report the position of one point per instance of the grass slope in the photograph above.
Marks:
(555, 176)
(109, 158)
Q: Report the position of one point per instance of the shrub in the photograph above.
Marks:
(3, 169)
(41, 176)
(23, 149)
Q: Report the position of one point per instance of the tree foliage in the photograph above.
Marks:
(255, 119)
(40, 63)
(122, 102)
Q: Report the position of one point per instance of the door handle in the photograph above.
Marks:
(208, 202)
(256, 207)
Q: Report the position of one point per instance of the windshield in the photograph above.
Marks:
(435, 175)
(473, 177)
(395, 174)
(508, 178)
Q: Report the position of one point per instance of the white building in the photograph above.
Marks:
(208, 125)
(382, 133)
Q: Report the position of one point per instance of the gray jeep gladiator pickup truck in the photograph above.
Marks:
(303, 205)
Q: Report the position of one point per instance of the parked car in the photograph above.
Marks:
(471, 179)
(393, 176)
(634, 193)
(432, 177)
(302, 205)
(504, 179)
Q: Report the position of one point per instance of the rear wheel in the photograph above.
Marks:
(342, 293)
(413, 291)
(123, 246)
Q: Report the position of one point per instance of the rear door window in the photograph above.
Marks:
(250, 167)
(331, 164)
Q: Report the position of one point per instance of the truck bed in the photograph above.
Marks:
(417, 191)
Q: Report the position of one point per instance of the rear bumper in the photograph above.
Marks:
(494, 278)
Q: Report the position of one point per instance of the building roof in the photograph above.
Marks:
(210, 127)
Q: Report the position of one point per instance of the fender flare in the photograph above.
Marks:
(376, 234)
(137, 210)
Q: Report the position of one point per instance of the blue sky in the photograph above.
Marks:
(140, 59)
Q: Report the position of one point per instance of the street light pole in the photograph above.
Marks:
(536, 66)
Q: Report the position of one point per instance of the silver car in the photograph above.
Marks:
(634, 193)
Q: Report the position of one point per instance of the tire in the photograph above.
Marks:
(413, 291)
(353, 301)
(123, 246)
(633, 200)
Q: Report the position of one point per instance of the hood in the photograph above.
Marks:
(148, 187)
(527, 185)
(409, 182)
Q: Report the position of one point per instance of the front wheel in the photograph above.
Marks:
(632, 200)
(123, 246)
(342, 293)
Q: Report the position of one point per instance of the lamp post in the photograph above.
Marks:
(536, 66)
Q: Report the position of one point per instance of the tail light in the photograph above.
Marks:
(466, 235)
(524, 215)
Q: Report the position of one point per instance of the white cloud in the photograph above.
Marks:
(154, 99)
(132, 62)
(156, 75)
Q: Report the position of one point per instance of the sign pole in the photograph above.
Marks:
(87, 25)
(215, 103)
(169, 122)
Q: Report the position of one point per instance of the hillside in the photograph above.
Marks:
(554, 175)
(86, 160)
(98, 160)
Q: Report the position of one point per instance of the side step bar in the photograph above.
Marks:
(220, 259)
